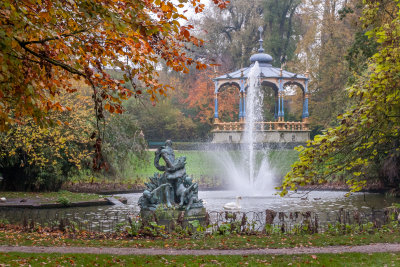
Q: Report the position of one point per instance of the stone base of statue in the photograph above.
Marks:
(172, 218)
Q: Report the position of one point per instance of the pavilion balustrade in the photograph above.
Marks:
(264, 126)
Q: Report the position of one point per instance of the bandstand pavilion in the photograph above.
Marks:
(278, 131)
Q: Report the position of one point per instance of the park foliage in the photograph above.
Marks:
(50, 50)
(365, 144)
(46, 44)
(41, 158)
(66, 68)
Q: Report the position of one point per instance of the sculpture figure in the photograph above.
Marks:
(173, 187)
(174, 167)
(148, 201)
(188, 193)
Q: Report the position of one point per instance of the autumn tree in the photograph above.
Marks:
(200, 97)
(47, 43)
(196, 96)
(232, 36)
(327, 31)
(365, 146)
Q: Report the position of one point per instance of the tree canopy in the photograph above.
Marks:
(365, 145)
(46, 44)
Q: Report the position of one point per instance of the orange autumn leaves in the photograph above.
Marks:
(200, 90)
(46, 44)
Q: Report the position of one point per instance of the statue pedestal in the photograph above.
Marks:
(170, 217)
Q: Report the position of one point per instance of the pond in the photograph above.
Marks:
(105, 218)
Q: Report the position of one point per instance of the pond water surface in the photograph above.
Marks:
(314, 201)
(107, 217)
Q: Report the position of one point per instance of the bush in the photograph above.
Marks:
(38, 158)
(64, 201)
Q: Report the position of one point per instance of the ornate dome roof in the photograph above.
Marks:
(262, 58)
(266, 68)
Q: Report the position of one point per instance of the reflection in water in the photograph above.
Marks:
(316, 201)
(105, 218)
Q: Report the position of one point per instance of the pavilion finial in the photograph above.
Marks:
(261, 49)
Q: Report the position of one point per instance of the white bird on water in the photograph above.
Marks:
(233, 205)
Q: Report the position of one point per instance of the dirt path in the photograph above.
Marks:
(135, 251)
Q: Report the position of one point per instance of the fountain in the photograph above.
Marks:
(247, 168)
(254, 114)
(248, 176)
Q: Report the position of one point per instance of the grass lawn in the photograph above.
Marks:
(57, 238)
(203, 166)
(204, 163)
(344, 259)
(50, 197)
(15, 237)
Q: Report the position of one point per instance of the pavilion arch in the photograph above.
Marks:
(294, 101)
(269, 100)
(270, 84)
(269, 76)
(228, 84)
(290, 83)
(230, 97)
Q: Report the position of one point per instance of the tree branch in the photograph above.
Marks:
(50, 60)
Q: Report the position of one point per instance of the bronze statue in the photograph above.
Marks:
(188, 193)
(173, 187)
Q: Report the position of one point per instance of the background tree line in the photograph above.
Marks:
(324, 37)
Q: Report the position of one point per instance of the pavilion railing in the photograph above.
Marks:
(263, 126)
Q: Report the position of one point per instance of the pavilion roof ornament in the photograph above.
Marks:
(261, 57)
(267, 71)
(261, 49)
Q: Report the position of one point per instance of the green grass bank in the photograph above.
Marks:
(344, 259)
(202, 165)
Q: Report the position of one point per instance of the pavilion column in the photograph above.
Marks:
(241, 101)
(216, 106)
(279, 105)
(281, 113)
(240, 107)
(216, 103)
(276, 107)
(282, 106)
(244, 107)
(305, 104)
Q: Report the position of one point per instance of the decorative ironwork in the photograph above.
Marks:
(250, 221)
(264, 126)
